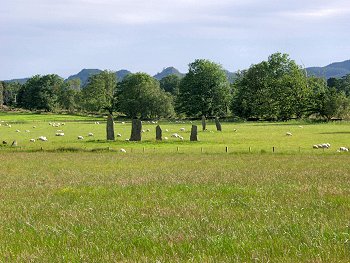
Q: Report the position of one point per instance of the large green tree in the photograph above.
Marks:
(41, 93)
(273, 89)
(99, 92)
(204, 90)
(1, 94)
(139, 95)
(170, 84)
(10, 93)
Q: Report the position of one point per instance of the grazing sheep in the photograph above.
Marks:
(27, 131)
(123, 122)
(166, 130)
(80, 137)
(143, 131)
(42, 138)
(119, 135)
(127, 140)
(34, 127)
(90, 134)
(289, 134)
(343, 149)
(175, 135)
(148, 130)
(122, 150)
(18, 131)
(181, 138)
(59, 134)
(9, 126)
(32, 140)
(182, 129)
(165, 138)
(315, 146)
(301, 126)
(96, 122)
(235, 130)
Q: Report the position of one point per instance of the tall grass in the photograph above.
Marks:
(174, 207)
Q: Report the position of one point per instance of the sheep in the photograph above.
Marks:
(34, 127)
(80, 137)
(235, 130)
(315, 146)
(9, 126)
(301, 126)
(181, 138)
(182, 129)
(343, 149)
(27, 131)
(59, 134)
(18, 131)
(90, 134)
(42, 138)
(122, 150)
(175, 135)
(143, 131)
(119, 135)
(166, 130)
(123, 122)
(148, 130)
(96, 122)
(165, 138)
(289, 134)
(32, 140)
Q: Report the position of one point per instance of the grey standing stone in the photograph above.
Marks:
(204, 123)
(218, 124)
(110, 128)
(193, 136)
(158, 133)
(136, 129)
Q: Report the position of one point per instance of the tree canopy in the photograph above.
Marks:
(204, 90)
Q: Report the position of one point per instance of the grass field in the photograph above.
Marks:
(163, 205)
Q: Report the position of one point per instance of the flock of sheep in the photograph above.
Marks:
(174, 135)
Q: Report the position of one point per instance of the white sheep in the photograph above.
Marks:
(80, 137)
(181, 138)
(165, 138)
(123, 122)
(34, 127)
(166, 130)
(289, 134)
(301, 126)
(343, 149)
(42, 138)
(60, 134)
(122, 150)
(119, 135)
(175, 135)
(143, 131)
(18, 131)
(315, 146)
(148, 130)
(90, 134)
(182, 129)
(27, 131)
(32, 140)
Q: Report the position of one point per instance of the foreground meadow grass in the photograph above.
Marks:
(102, 207)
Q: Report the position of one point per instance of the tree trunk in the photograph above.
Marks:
(158, 133)
(193, 136)
(218, 124)
(110, 128)
(136, 129)
(204, 124)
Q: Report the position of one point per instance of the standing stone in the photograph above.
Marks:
(110, 128)
(136, 129)
(193, 136)
(158, 133)
(204, 124)
(218, 124)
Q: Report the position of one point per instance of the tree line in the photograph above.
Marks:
(275, 89)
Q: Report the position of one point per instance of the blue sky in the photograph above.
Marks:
(64, 36)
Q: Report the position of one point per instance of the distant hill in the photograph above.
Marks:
(84, 75)
(231, 76)
(20, 81)
(168, 71)
(334, 70)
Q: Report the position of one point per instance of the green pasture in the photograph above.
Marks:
(236, 137)
(105, 207)
(70, 200)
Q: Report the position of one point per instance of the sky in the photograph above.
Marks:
(65, 36)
